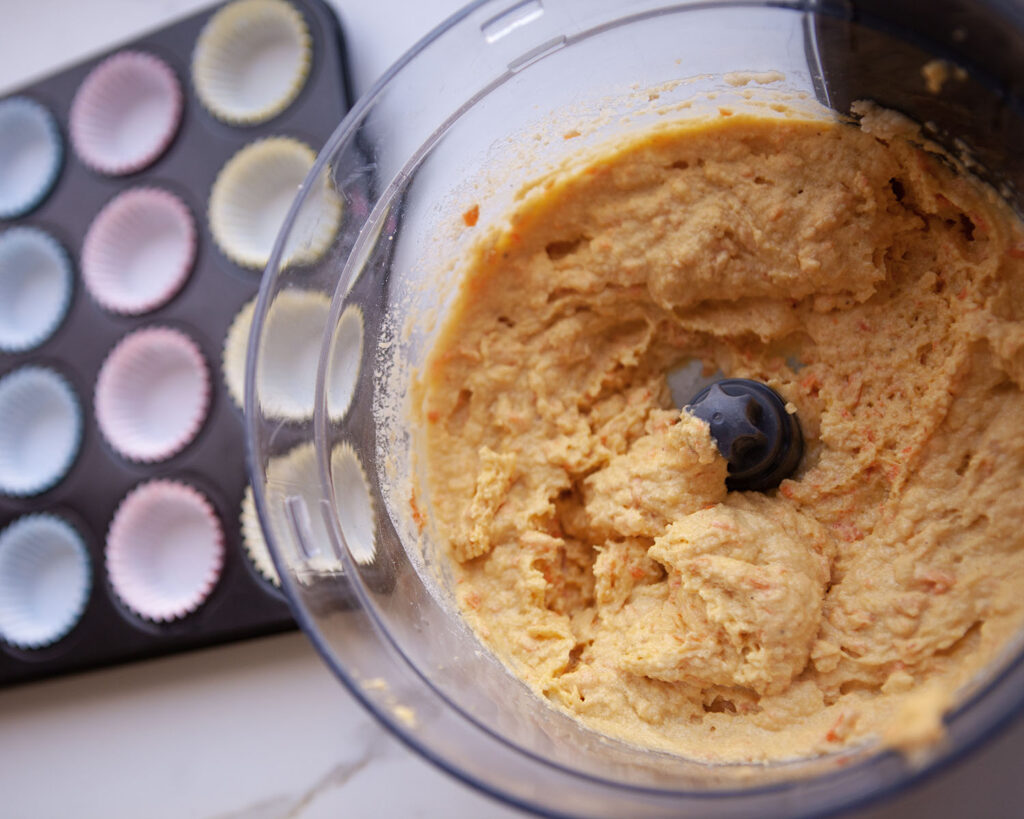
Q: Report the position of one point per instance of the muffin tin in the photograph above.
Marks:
(139, 197)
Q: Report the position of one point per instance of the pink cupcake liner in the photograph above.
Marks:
(152, 394)
(164, 550)
(125, 113)
(139, 251)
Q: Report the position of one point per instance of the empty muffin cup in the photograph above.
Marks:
(139, 251)
(288, 364)
(152, 394)
(295, 475)
(126, 113)
(35, 288)
(252, 194)
(251, 60)
(164, 550)
(40, 430)
(254, 543)
(45, 580)
(31, 153)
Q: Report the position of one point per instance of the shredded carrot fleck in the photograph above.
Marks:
(417, 515)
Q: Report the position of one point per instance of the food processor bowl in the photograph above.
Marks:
(369, 259)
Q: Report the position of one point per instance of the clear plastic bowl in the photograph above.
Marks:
(479, 107)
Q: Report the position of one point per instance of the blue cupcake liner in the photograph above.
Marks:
(31, 155)
(35, 288)
(40, 430)
(45, 580)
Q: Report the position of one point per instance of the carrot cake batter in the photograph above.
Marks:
(594, 546)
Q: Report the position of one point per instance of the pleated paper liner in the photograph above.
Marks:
(139, 251)
(165, 550)
(45, 580)
(251, 197)
(251, 60)
(126, 113)
(40, 430)
(152, 394)
(35, 288)
(31, 155)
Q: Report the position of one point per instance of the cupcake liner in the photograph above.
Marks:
(152, 394)
(236, 346)
(40, 430)
(254, 543)
(296, 474)
(126, 113)
(290, 353)
(165, 550)
(45, 580)
(35, 288)
(345, 362)
(252, 195)
(251, 60)
(31, 155)
(315, 225)
(139, 251)
(353, 502)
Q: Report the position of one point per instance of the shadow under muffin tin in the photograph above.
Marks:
(132, 235)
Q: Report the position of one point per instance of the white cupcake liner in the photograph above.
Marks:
(31, 155)
(236, 346)
(254, 543)
(164, 550)
(40, 430)
(315, 225)
(251, 60)
(353, 502)
(139, 251)
(296, 475)
(290, 352)
(345, 362)
(252, 195)
(152, 394)
(126, 113)
(290, 355)
(45, 580)
(35, 288)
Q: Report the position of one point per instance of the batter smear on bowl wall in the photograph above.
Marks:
(593, 542)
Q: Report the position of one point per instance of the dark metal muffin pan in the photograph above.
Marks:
(242, 604)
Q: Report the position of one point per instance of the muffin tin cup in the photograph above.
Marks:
(251, 60)
(40, 430)
(45, 580)
(139, 251)
(252, 195)
(152, 394)
(35, 288)
(126, 113)
(164, 550)
(288, 366)
(31, 154)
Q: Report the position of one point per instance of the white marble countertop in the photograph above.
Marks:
(261, 729)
